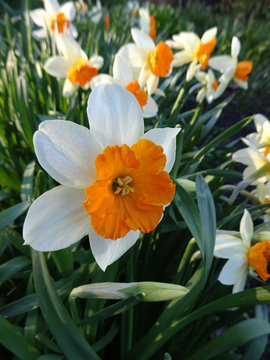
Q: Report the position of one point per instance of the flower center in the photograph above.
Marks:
(215, 84)
(107, 21)
(61, 23)
(152, 31)
(203, 52)
(160, 59)
(243, 69)
(117, 202)
(120, 185)
(258, 258)
(81, 72)
(140, 95)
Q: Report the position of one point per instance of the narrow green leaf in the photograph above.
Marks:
(11, 267)
(66, 334)
(208, 218)
(63, 260)
(8, 216)
(231, 338)
(27, 191)
(15, 342)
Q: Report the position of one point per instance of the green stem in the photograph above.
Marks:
(178, 103)
(184, 260)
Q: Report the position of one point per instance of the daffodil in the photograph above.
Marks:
(147, 23)
(261, 138)
(54, 19)
(122, 74)
(195, 50)
(231, 68)
(73, 64)
(211, 88)
(242, 257)
(149, 62)
(114, 178)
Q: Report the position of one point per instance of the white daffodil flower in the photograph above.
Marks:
(73, 64)
(195, 50)
(147, 23)
(261, 138)
(211, 88)
(114, 178)
(54, 19)
(242, 257)
(122, 74)
(231, 68)
(149, 62)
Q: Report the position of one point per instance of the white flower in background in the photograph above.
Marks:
(211, 88)
(133, 6)
(261, 138)
(195, 50)
(54, 19)
(114, 178)
(96, 12)
(242, 257)
(231, 68)
(262, 193)
(257, 154)
(147, 23)
(149, 62)
(122, 74)
(73, 64)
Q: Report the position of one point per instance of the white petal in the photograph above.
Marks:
(240, 284)
(56, 219)
(106, 251)
(262, 124)
(135, 55)
(209, 35)
(242, 84)
(67, 151)
(39, 16)
(142, 40)
(122, 70)
(96, 61)
(69, 88)
(69, 10)
(150, 109)
(181, 58)
(166, 137)
(233, 269)
(227, 245)
(249, 156)
(57, 66)
(220, 89)
(221, 63)
(189, 40)
(192, 69)
(73, 31)
(159, 92)
(102, 79)
(40, 34)
(246, 227)
(152, 83)
(201, 76)
(144, 74)
(69, 48)
(236, 46)
(115, 116)
(51, 6)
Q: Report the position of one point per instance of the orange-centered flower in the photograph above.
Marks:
(152, 31)
(243, 69)
(130, 191)
(267, 151)
(140, 95)
(215, 84)
(203, 52)
(61, 23)
(258, 258)
(160, 59)
(107, 21)
(81, 72)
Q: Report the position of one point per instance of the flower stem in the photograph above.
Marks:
(178, 103)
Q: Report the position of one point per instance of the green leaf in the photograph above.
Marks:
(66, 334)
(11, 267)
(15, 342)
(27, 191)
(231, 338)
(63, 260)
(8, 216)
(208, 218)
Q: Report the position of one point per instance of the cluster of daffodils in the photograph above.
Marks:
(197, 52)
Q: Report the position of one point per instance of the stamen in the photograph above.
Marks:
(61, 23)
(123, 187)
